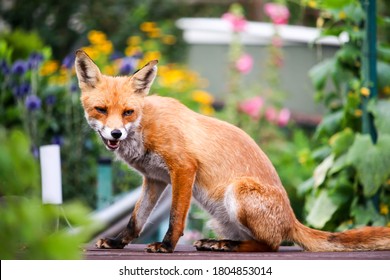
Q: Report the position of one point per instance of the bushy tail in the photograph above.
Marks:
(362, 239)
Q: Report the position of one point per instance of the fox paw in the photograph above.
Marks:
(158, 247)
(109, 243)
(216, 245)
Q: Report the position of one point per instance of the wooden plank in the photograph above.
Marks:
(186, 252)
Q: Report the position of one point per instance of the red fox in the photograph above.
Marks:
(214, 162)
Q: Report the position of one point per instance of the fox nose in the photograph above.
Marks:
(116, 133)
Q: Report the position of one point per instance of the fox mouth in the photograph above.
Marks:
(111, 145)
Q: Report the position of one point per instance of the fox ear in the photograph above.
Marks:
(142, 79)
(87, 71)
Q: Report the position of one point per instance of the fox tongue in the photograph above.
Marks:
(113, 144)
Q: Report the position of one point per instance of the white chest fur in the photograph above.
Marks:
(148, 163)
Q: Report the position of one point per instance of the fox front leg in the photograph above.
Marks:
(182, 182)
(151, 192)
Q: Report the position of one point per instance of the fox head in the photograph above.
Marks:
(113, 105)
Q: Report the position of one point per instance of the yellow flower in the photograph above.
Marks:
(134, 40)
(49, 67)
(155, 33)
(92, 52)
(383, 209)
(133, 50)
(148, 26)
(202, 97)
(386, 90)
(303, 156)
(206, 110)
(152, 55)
(179, 79)
(61, 78)
(170, 77)
(105, 47)
(358, 113)
(312, 4)
(320, 22)
(342, 15)
(96, 37)
(110, 70)
(168, 39)
(365, 91)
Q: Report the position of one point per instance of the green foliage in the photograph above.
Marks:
(18, 176)
(322, 210)
(350, 185)
(63, 26)
(371, 161)
(42, 99)
(24, 43)
(30, 230)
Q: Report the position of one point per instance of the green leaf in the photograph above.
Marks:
(342, 141)
(336, 4)
(355, 12)
(383, 70)
(339, 164)
(366, 214)
(329, 124)
(371, 161)
(381, 112)
(322, 169)
(305, 186)
(384, 52)
(319, 73)
(348, 54)
(322, 210)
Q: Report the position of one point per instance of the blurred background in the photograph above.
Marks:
(302, 77)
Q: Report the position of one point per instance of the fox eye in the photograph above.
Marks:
(128, 113)
(101, 110)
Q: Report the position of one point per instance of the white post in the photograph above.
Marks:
(51, 174)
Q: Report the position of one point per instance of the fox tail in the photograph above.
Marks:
(361, 239)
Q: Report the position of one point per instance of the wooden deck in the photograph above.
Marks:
(185, 252)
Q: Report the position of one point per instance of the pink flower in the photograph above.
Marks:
(279, 14)
(277, 42)
(278, 61)
(280, 118)
(238, 23)
(244, 64)
(271, 114)
(284, 117)
(252, 107)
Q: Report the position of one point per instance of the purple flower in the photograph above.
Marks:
(138, 55)
(127, 66)
(19, 67)
(57, 139)
(21, 90)
(35, 151)
(116, 55)
(34, 60)
(33, 103)
(4, 67)
(68, 61)
(74, 88)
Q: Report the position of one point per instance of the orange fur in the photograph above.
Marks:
(201, 157)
